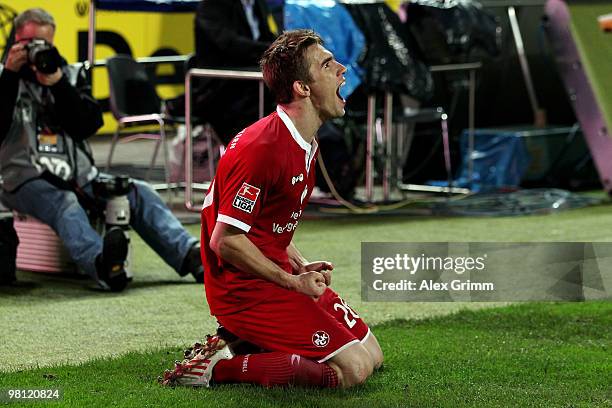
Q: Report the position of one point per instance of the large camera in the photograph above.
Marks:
(115, 190)
(108, 186)
(44, 56)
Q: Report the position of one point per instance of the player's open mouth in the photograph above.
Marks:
(338, 91)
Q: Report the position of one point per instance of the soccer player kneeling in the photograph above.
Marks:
(258, 285)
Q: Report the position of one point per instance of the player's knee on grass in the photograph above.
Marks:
(376, 354)
(355, 365)
(358, 371)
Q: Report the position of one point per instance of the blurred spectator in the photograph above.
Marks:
(230, 34)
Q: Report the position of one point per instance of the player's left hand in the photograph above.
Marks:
(318, 266)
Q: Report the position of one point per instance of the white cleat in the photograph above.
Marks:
(197, 367)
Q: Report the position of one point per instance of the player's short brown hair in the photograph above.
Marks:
(284, 63)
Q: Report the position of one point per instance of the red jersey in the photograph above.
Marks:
(262, 185)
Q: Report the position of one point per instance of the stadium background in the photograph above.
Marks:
(138, 34)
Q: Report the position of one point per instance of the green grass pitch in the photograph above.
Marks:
(548, 355)
(108, 349)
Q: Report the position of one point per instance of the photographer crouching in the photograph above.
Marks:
(46, 115)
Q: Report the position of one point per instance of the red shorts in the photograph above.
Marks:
(294, 323)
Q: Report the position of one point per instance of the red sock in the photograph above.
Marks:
(275, 369)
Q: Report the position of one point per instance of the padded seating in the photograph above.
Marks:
(40, 249)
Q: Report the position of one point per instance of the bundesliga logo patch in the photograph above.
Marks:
(246, 198)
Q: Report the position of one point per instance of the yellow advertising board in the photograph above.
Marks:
(136, 33)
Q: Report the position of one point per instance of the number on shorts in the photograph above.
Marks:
(350, 320)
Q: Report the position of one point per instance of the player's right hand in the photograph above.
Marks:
(310, 283)
(17, 57)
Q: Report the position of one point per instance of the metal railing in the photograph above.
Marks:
(256, 75)
(209, 73)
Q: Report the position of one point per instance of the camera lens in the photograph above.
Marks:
(44, 56)
(122, 184)
(47, 61)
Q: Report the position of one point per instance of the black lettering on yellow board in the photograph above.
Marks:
(177, 76)
(161, 75)
(109, 38)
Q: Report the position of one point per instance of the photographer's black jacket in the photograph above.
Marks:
(77, 112)
(66, 107)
